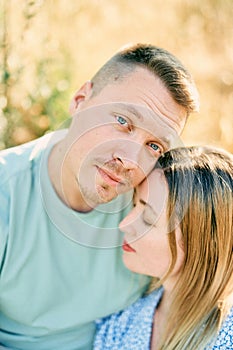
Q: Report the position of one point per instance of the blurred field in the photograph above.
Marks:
(49, 48)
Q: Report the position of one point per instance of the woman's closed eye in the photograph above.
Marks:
(149, 218)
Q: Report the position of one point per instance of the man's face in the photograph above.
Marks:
(117, 136)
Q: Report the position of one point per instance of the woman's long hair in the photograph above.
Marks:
(200, 182)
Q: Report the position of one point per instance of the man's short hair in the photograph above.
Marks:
(160, 62)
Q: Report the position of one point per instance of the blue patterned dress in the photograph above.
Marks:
(131, 328)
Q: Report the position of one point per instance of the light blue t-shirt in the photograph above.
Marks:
(59, 269)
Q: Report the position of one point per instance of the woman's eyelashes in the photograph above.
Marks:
(135, 197)
(148, 221)
(149, 218)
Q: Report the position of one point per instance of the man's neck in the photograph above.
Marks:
(64, 184)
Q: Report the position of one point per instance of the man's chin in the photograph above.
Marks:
(102, 194)
(108, 193)
(105, 196)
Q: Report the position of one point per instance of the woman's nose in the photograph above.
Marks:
(129, 224)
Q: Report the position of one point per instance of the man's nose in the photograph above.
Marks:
(127, 164)
(129, 155)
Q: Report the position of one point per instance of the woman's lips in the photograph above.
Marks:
(127, 248)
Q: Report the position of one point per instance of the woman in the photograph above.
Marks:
(181, 233)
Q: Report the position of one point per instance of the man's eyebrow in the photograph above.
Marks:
(131, 110)
(135, 112)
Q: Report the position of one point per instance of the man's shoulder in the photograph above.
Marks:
(15, 159)
(20, 158)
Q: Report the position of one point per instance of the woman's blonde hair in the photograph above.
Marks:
(200, 182)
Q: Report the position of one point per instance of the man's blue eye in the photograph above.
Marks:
(122, 120)
(154, 146)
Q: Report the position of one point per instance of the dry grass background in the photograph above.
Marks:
(73, 38)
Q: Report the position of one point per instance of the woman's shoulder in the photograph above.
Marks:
(224, 339)
(146, 302)
(126, 326)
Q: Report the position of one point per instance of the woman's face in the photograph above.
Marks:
(146, 246)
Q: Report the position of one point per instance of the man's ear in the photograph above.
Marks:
(81, 95)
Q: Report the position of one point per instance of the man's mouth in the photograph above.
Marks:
(110, 178)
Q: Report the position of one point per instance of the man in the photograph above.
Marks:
(62, 197)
